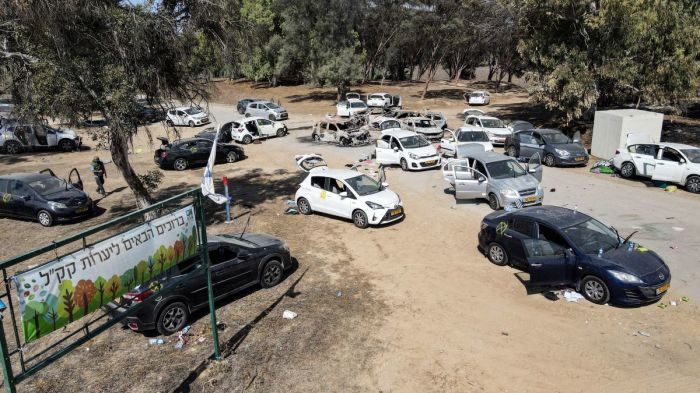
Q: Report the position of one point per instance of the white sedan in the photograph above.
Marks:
(379, 100)
(251, 128)
(187, 116)
(494, 128)
(423, 126)
(408, 149)
(345, 193)
(347, 108)
(464, 138)
(478, 98)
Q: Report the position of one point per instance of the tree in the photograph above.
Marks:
(113, 286)
(52, 314)
(141, 271)
(151, 266)
(67, 299)
(101, 285)
(33, 311)
(84, 293)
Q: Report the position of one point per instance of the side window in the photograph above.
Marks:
(204, 144)
(536, 139)
(670, 155)
(386, 138)
(18, 188)
(336, 186)
(634, 149)
(332, 127)
(264, 122)
(318, 182)
(521, 226)
(479, 166)
(180, 113)
(395, 144)
(548, 243)
(3, 185)
(222, 254)
(187, 145)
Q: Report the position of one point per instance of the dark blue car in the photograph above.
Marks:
(562, 247)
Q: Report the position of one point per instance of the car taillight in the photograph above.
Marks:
(138, 297)
(163, 154)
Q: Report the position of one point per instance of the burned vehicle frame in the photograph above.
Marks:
(340, 132)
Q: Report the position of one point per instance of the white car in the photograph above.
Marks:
(479, 97)
(408, 149)
(423, 126)
(187, 116)
(669, 162)
(472, 111)
(463, 139)
(347, 108)
(345, 193)
(251, 128)
(494, 128)
(267, 109)
(438, 118)
(379, 100)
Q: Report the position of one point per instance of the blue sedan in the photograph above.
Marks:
(564, 248)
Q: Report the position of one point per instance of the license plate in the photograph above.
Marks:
(431, 162)
(662, 288)
(394, 212)
(578, 158)
(529, 199)
(81, 209)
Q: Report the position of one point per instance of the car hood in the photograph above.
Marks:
(386, 198)
(262, 239)
(487, 145)
(573, 148)
(423, 151)
(67, 197)
(516, 183)
(428, 130)
(199, 115)
(498, 131)
(635, 262)
(67, 132)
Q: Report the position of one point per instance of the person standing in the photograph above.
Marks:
(98, 169)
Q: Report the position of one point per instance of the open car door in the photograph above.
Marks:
(448, 143)
(468, 149)
(550, 263)
(307, 162)
(534, 166)
(77, 182)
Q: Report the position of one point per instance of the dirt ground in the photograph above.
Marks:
(409, 307)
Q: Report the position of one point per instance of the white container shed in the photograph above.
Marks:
(610, 129)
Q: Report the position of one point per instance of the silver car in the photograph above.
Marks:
(17, 137)
(497, 178)
(266, 109)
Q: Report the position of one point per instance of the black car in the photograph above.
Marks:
(563, 247)
(520, 125)
(210, 133)
(237, 263)
(242, 104)
(555, 148)
(42, 197)
(148, 115)
(183, 153)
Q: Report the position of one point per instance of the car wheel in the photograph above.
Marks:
(627, 170)
(359, 218)
(66, 145)
(493, 202)
(316, 137)
(172, 318)
(345, 142)
(169, 123)
(512, 152)
(190, 123)
(549, 160)
(404, 164)
(13, 147)
(693, 184)
(280, 132)
(497, 254)
(303, 206)
(272, 117)
(595, 290)
(272, 274)
(180, 164)
(45, 218)
(247, 140)
(247, 115)
(231, 157)
(240, 111)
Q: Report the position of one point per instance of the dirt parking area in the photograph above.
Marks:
(408, 307)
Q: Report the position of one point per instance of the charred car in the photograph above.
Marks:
(343, 133)
(16, 137)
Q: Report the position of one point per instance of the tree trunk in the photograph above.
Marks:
(431, 74)
(410, 73)
(501, 75)
(118, 147)
(457, 74)
(510, 77)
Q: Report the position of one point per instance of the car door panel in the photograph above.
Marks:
(668, 166)
(534, 166)
(233, 273)
(469, 183)
(644, 159)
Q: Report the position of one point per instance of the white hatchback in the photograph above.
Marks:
(251, 128)
(408, 149)
(345, 193)
(187, 116)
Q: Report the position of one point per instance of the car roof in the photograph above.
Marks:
(400, 133)
(25, 176)
(489, 157)
(546, 131)
(678, 146)
(354, 100)
(189, 140)
(183, 108)
(467, 129)
(417, 118)
(341, 174)
(484, 117)
(555, 216)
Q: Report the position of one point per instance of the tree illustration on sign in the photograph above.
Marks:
(101, 286)
(52, 314)
(192, 243)
(127, 279)
(161, 257)
(179, 250)
(113, 285)
(32, 311)
(141, 272)
(84, 293)
(67, 299)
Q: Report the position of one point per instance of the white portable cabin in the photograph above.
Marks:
(610, 129)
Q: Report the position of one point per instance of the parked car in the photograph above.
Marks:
(243, 104)
(383, 100)
(387, 125)
(16, 137)
(473, 112)
(341, 132)
(494, 127)
(238, 261)
(556, 148)
(669, 162)
(408, 149)
(184, 153)
(210, 133)
(266, 109)
(497, 178)
(6, 108)
(423, 126)
(393, 114)
(149, 114)
(438, 118)
(42, 197)
(353, 96)
(345, 193)
(464, 137)
(478, 97)
(347, 108)
(564, 247)
(252, 128)
(187, 116)
(520, 125)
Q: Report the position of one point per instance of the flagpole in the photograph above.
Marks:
(228, 200)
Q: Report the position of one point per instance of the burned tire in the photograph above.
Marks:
(316, 137)
(404, 164)
(280, 132)
(693, 184)
(247, 140)
(66, 145)
(497, 254)
(359, 218)
(493, 202)
(595, 290)
(627, 170)
(13, 147)
(231, 157)
(512, 152)
(549, 160)
(345, 142)
(304, 207)
(271, 274)
(172, 318)
(180, 164)
(45, 218)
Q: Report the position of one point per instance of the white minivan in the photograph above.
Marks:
(408, 149)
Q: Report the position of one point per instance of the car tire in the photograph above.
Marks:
(272, 117)
(240, 111)
(512, 152)
(190, 123)
(271, 274)
(45, 218)
(404, 164)
(13, 147)
(247, 115)
(172, 318)
(180, 164)
(316, 137)
(549, 160)
(345, 142)
(231, 157)
(693, 184)
(497, 254)
(169, 123)
(66, 145)
(493, 202)
(247, 140)
(595, 290)
(280, 132)
(304, 207)
(359, 218)
(627, 170)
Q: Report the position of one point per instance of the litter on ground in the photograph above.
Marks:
(289, 314)
(572, 296)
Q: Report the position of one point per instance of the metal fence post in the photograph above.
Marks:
(7, 374)
(207, 264)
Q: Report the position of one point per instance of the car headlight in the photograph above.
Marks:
(626, 277)
(490, 134)
(509, 193)
(57, 205)
(539, 189)
(285, 247)
(374, 205)
(413, 156)
(562, 153)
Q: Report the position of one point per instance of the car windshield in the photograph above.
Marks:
(364, 185)
(413, 142)
(271, 105)
(476, 95)
(48, 186)
(192, 111)
(342, 126)
(390, 124)
(592, 235)
(692, 154)
(556, 138)
(505, 169)
(358, 105)
(375, 97)
(472, 136)
(492, 123)
(424, 123)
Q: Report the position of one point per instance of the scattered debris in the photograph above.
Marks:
(603, 167)
(504, 334)
(678, 229)
(673, 303)
(182, 337)
(550, 296)
(291, 210)
(221, 326)
(287, 314)
(201, 339)
(552, 190)
(339, 293)
(572, 296)
(662, 305)
(156, 341)
(671, 189)
(642, 333)
(657, 346)
(685, 299)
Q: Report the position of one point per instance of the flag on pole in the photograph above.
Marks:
(208, 177)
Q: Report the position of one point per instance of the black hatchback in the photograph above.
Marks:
(42, 197)
(237, 262)
(184, 153)
(555, 148)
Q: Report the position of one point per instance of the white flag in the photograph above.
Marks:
(208, 179)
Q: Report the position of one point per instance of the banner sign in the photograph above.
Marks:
(66, 289)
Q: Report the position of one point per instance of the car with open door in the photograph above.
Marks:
(341, 132)
(437, 117)
(350, 107)
(452, 140)
(392, 114)
(499, 179)
(387, 125)
(423, 126)
(472, 112)
(408, 149)
(345, 193)
(556, 148)
(185, 153)
(353, 96)
(191, 116)
(478, 97)
(249, 129)
(669, 162)
(16, 137)
(561, 247)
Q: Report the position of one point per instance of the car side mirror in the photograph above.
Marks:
(577, 141)
(681, 161)
(385, 184)
(243, 255)
(26, 197)
(481, 179)
(569, 254)
(396, 149)
(343, 194)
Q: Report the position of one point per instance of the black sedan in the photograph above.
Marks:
(563, 247)
(42, 197)
(184, 153)
(210, 133)
(237, 262)
(242, 104)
